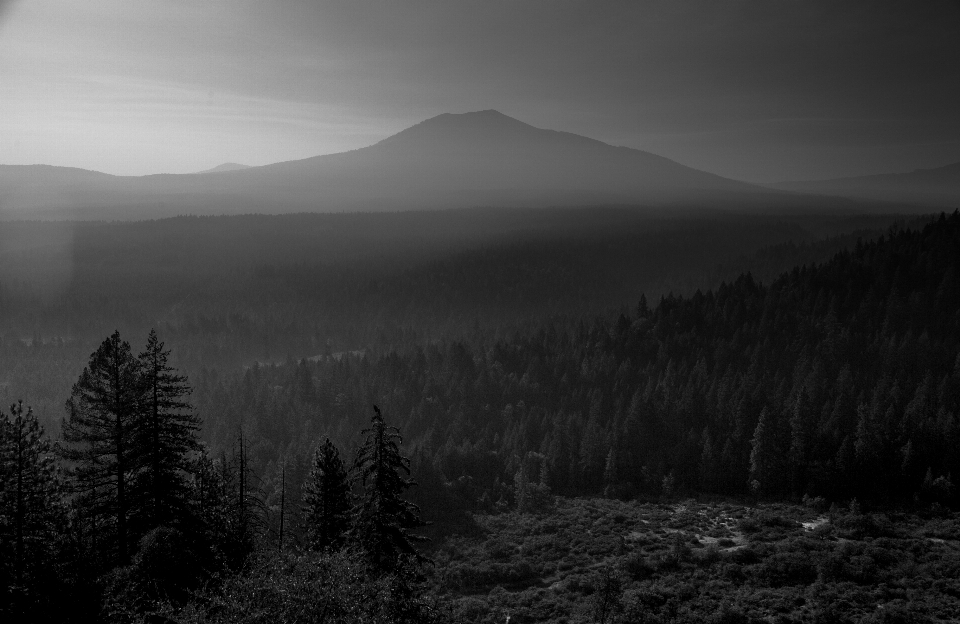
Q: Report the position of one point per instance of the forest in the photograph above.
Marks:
(297, 426)
(228, 292)
(838, 380)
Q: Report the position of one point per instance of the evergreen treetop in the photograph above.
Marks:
(100, 438)
(166, 436)
(383, 519)
(128, 437)
(326, 497)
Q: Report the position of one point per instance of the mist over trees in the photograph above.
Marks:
(838, 380)
(231, 291)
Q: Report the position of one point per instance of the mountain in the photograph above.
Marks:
(938, 187)
(45, 191)
(448, 161)
(230, 166)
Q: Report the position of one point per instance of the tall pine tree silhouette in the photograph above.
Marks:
(326, 497)
(383, 519)
(166, 438)
(100, 440)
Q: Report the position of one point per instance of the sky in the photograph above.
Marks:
(758, 90)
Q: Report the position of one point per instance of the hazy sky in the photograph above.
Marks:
(760, 90)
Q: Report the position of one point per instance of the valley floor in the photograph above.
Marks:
(599, 560)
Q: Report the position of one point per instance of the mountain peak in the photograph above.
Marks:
(229, 166)
(473, 127)
(488, 115)
(483, 117)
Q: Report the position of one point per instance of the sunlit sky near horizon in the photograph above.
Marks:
(759, 90)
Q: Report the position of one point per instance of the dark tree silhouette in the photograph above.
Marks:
(166, 437)
(212, 500)
(763, 456)
(227, 505)
(383, 519)
(30, 511)
(247, 508)
(326, 497)
(100, 440)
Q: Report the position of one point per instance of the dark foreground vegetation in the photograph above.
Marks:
(601, 560)
(226, 496)
(137, 520)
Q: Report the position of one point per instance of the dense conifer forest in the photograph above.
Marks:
(226, 292)
(839, 380)
(194, 487)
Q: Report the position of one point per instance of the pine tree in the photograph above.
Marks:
(521, 487)
(801, 416)
(211, 501)
(228, 506)
(326, 497)
(247, 508)
(100, 440)
(764, 456)
(710, 463)
(530, 484)
(610, 478)
(383, 519)
(166, 438)
(30, 509)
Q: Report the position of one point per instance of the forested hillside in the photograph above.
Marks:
(838, 380)
(227, 292)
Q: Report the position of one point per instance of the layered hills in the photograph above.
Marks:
(939, 186)
(474, 159)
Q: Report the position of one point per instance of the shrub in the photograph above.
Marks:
(859, 526)
(817, 503)
(498, 549)
(637, 567)
(743, 555)
(895, 613)
(857, 563)
(823, 532)
(787, 568)
(829, 614)
(733, 572)
(308, 588)
(164, 569)
(730, 615)
(709, 555)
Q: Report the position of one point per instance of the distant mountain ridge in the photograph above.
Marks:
(939, 186)
(230, 166)
(483, 158)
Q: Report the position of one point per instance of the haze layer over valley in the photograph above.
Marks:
(936, 187)
(449, 161)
